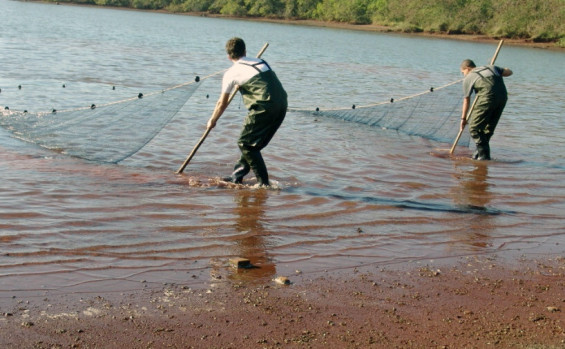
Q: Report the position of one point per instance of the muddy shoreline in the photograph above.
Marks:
(469, 302)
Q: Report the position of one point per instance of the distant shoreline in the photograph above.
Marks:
(384, 29)
(338, 25)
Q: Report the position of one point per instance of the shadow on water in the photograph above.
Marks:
(464, 208)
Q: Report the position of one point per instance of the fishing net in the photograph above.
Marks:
(115, 129)
(433, 114)
(107, 132)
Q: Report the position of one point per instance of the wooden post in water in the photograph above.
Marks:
(183, 166)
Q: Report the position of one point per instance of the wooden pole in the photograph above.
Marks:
(232, 95)
(475, 100)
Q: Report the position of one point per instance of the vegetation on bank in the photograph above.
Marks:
(536, 20)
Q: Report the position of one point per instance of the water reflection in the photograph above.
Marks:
(472, 192)
(473, 189)
(252, 244)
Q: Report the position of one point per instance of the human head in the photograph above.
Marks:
(467, 65)
(235, 48)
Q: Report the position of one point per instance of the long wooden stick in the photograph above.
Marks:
(232, 95)
(475, 100)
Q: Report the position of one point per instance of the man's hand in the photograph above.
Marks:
(463, 123)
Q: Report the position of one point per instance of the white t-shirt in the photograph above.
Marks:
(241, 71)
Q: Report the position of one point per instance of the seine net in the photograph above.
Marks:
(108, 132)
(433, 114)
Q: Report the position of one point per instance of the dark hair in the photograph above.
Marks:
(467, 63)
(235, 47)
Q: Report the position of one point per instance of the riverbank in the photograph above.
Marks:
(472, 302)
(384, 29)
(360, 27)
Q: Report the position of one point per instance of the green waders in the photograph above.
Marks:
(266, 100)
(491, 100)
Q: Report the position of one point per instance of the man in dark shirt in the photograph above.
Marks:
(488, 84)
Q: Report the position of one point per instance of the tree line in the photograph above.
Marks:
(536, 20)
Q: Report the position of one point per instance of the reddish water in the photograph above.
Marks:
(368, 198)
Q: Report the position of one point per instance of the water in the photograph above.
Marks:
(349, 195)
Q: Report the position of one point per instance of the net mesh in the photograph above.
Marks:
(108, 132)
(113, 131)
(433, 114)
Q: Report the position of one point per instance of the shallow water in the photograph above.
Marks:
(347, 194)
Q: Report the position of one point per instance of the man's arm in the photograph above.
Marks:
(506, 72)
(221, 106)
(464, 112)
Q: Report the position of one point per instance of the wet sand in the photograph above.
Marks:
(470, 302)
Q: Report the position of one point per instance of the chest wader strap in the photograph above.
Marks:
(254, 65)
(483, 78)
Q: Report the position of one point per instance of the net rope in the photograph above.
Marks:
(432, 114)
(107, 132)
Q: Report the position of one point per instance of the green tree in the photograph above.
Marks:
(353, 11)
(264, 8)
(231, 7)
(193, 5)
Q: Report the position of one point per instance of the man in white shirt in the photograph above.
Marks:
(265, 99)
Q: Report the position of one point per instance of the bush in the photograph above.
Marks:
(148, 4)
(542, 19)
(264, 8)
(191, 6)
(351, 11)
(409, 28)
(117, 3)
(234, 8)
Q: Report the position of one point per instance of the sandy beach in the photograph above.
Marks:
(471, 302)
